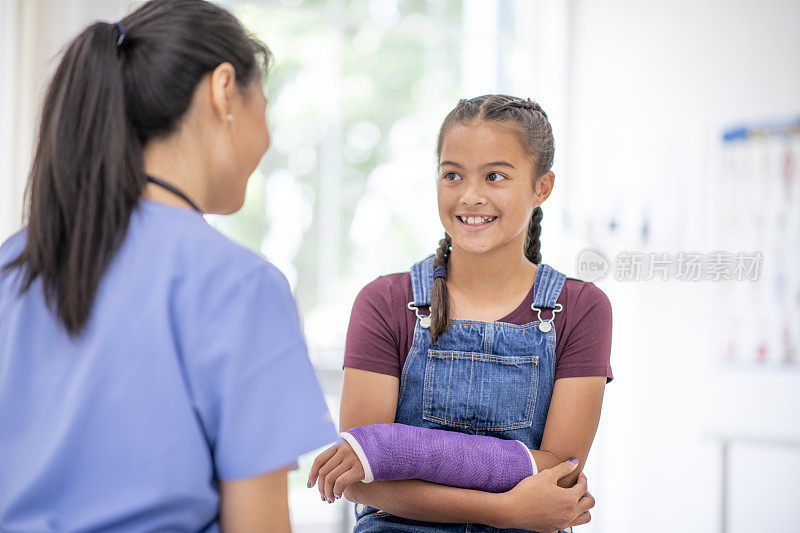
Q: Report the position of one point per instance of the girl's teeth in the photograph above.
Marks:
(474, 221)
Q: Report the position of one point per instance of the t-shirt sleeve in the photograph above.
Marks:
(587, 346)
(373, 340)
(253, 385)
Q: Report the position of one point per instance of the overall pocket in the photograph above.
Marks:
(476, 391)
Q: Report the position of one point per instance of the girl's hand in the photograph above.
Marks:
(334, 470)
(538, 503)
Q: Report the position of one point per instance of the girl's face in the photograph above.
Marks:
(486, 187)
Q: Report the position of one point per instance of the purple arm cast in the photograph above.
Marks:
(397, 451)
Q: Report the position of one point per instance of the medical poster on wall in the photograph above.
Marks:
(757, 223)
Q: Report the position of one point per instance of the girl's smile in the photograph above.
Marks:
(476, 222)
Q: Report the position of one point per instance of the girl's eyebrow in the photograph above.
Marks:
(499, 164)
(492, 164)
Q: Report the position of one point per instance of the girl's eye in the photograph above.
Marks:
(495, 176)
(451, 176)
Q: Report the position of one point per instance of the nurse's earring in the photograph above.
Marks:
(546, 325)
(229, 117)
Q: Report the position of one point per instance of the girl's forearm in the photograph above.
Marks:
(428, 502)
(390, 452)
(545, 460)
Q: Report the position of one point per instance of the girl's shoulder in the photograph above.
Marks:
(581, 298)
(577, 289)
(387, 292)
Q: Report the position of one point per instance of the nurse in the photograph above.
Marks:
(153, 374)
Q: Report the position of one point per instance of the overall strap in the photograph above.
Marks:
(547, 286)
(422, 282)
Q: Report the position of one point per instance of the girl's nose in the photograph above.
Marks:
(472, 194)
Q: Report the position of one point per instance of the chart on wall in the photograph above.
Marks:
(757, 227)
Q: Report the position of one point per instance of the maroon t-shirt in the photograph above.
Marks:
(382, 328)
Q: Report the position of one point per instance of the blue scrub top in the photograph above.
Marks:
(192, 368)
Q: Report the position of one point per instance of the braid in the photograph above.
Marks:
(532, 243)
(526, 104)
(440, 299)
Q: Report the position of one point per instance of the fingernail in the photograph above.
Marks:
(321, 497)
(308, 484)
(574, 461)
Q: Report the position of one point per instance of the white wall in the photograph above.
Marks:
(652, 86)
(10, 199)
(32, 33)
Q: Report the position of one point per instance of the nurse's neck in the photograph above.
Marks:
(179, 161)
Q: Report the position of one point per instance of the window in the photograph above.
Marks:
(347, 190)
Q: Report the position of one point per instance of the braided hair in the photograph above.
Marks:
(529, 121)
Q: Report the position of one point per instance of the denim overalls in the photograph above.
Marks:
(480, 378)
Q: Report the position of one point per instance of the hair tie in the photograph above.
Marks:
(440, 272)
(121, 30)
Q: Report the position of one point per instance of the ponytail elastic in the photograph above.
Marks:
(121, 30)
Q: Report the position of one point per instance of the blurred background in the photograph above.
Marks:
(677, 127)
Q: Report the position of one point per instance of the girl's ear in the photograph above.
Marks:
(543, 187)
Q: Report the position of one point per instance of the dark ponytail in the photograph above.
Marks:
(529, 121)
(440, 297)
(104, 102)
(532, 242)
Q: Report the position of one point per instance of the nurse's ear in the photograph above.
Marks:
(223, 85)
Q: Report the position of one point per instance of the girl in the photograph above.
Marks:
(482, 340)
(153, 375)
